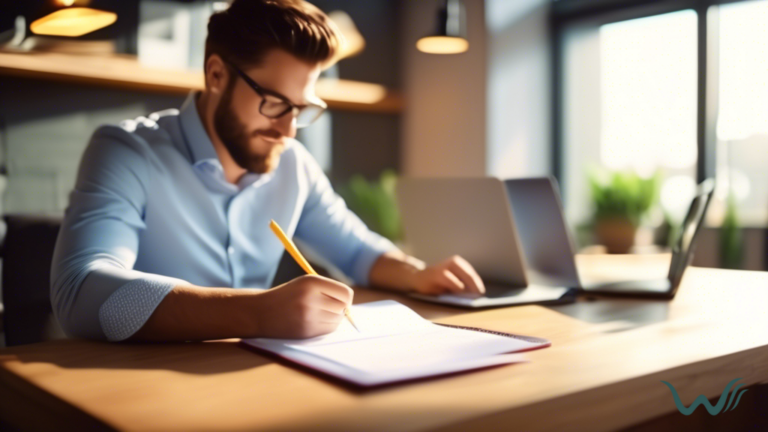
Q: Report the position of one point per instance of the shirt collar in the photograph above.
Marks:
(198, 141)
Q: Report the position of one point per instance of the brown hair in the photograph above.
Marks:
(248, 29)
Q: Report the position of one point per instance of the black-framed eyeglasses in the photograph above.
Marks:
(274, 105)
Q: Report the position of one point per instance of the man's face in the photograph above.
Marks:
(255, 141)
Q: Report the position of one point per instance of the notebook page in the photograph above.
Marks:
(416, 350)
(375, 320)
(396, 344)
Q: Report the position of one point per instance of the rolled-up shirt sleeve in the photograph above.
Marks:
(95, 293)
(335, 232)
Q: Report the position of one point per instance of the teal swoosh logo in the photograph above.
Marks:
(702, 400)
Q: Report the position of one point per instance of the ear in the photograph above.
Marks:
(216, 75)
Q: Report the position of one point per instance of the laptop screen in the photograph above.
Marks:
(544, 236)
(682, 252)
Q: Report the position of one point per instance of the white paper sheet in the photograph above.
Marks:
(395, 344)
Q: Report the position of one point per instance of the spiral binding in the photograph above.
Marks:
(498, 333)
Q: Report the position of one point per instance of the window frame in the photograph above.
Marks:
(565, 14)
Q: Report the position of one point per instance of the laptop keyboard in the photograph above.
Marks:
(496, 291)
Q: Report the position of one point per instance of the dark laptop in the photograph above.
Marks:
(549, 249)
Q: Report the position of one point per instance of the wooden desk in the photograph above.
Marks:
(603, 371)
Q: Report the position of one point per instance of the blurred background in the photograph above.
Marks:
(627, 103)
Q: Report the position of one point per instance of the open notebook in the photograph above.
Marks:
(396, 344)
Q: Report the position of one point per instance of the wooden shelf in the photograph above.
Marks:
(125, 72)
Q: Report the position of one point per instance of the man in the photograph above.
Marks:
(168, 210)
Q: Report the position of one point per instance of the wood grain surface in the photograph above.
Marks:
(602, 372)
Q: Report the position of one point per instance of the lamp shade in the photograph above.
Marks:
(354, 43)
(72, 22)
(450, 35)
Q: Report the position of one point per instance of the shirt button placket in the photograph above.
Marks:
(231, 223)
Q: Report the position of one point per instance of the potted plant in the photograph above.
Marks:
(621, 200)
(375, 203)
(731, 241)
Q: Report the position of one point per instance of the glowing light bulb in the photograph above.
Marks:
(442, 45)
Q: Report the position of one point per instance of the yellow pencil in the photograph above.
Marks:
(291, 248)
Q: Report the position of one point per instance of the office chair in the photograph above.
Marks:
(27, 253)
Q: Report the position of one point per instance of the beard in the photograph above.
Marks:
(236, 138)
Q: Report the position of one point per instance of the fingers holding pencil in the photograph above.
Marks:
(304, 307)
(299, 258)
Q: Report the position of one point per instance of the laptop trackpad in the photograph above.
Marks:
(637, 286)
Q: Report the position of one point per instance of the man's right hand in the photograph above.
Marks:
(305, 307)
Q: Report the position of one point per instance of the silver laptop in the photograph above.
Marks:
(472, 217)
(549, 249)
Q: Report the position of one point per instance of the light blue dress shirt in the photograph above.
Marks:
(151, 209)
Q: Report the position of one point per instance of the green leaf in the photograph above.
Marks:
(375, 203)
(622, 194)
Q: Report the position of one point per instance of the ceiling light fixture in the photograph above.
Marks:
(450, 37)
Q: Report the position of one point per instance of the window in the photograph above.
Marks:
(630, 102)
(648, 93)
(742, 120)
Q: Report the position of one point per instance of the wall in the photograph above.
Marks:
(755, 252)
(45, 128)
(486, 111)
(519, 88)
(444, 129)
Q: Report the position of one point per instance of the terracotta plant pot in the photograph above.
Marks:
(617, 235)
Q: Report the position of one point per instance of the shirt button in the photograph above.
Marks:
(230, 250)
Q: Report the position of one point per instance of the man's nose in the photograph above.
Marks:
(286, 125)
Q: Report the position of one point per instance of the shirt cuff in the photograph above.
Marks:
(368, 255)
(128, 308)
